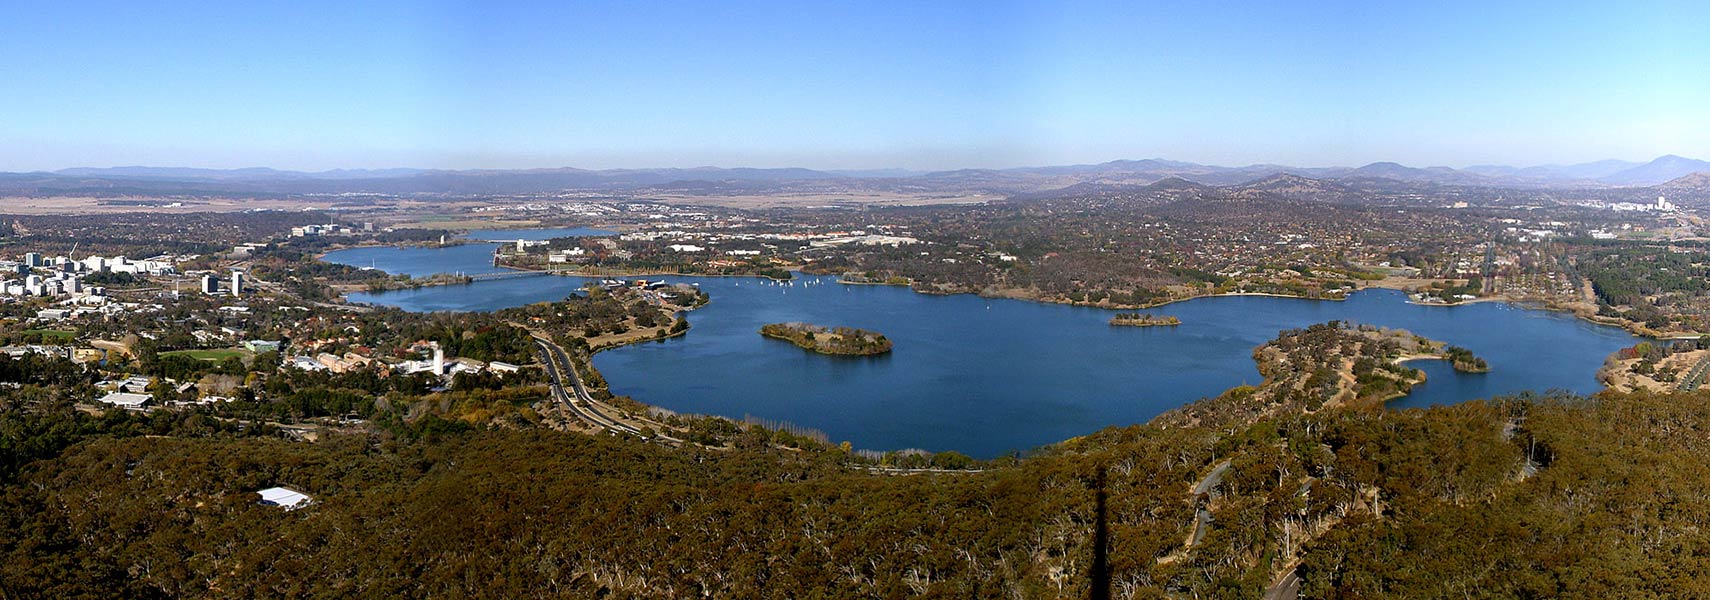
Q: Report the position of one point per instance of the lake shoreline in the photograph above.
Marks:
(1630, 326)
(1114, 380)
(615, 273)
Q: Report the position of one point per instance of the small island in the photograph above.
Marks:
(840, 341)
(1143, 320)
(1464, 360)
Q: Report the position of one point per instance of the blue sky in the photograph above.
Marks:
(926, 85)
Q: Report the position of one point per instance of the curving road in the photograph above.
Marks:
(559, 367)
(1285, 588)
(1698, 376)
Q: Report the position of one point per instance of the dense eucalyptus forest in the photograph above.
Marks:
(1531, 497)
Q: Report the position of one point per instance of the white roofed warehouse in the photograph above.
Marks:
(285, 498)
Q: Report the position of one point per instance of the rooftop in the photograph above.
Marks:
(127, 401)
(286, 498)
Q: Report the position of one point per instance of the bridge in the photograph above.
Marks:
(515, 274)
(504, 275)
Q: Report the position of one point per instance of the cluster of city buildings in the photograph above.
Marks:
(438, 365)
(881, 237)
(1662, 205)
(56, 284)
(863, 239)
(159, 265)
(703, 241)
(565, 201)
(211, 285)
(77, 355)
(60, 276)
(248, 249)
(133, 393)
(564, 256)
(56, 276)
(330, 229)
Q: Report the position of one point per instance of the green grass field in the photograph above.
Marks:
(210, 355)
(52, 334)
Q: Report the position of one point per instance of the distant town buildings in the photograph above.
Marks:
(565, 256)
(1662, 205)
(96, 264)
(247, 250)
(57, 284)
(330, 229)
(235, 287)
(437, 364)
(47, 351)
(862, 239)
(61, 276)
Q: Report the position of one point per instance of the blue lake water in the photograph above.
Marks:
(984, 376)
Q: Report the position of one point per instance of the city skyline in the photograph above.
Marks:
(999, 85)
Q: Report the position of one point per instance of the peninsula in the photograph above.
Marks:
(841, 341)
(1325, 365)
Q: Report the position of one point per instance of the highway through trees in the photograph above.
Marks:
(560, 368)
(568, 390)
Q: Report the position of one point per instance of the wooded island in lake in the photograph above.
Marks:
(843, 341)
(1143, 320)
(1464, 360)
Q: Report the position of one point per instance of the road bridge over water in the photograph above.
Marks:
(505, 275)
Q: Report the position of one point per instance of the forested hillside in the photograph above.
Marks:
(1535, 497)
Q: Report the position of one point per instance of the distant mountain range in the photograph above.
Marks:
(1661, 170)
(249, 174)
(1090, 178)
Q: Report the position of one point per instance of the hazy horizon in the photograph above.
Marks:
(321, 86)
(833, 169)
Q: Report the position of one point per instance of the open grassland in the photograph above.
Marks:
(53, 334)
(210, 355)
